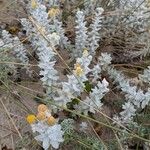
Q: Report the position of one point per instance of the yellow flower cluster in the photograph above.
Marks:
(42, 115)
(85, 52)
(78, 70)
(53, 12)
(31, 119)
(33, 4)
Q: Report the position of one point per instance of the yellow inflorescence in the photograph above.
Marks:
(51, 121)
(44, 115)
(85, 52)
(31, 119)
(41, 116)
(34, 4)
(78, 70)
(42, 108)
(53, 12)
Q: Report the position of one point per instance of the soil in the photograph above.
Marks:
(15, 105)
(10, 12)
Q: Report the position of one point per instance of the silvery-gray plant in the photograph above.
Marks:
(45, 46)
(136, 98)
(46, 56)
(16, 46)
(94, 35)
(145, 77)
(133, 16)
(53, 3)
(81, 34)
(87, 38)
(64, 42)
(74, 86)
(51, 24)
(6, 56)
(90, 6)
(46, 35)
(92, 103)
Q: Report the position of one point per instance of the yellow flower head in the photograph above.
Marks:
(34, 4)
(51, 121)
(31, 119)
(78, 70)
(85, 52)
(48, 113)
(42, 108)
(41, 116)
(53, 12)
